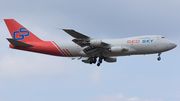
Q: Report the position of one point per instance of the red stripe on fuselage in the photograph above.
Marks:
(69, 52)
(59, 48)
(66, 52)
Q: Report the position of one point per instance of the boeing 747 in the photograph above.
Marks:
(96, 50)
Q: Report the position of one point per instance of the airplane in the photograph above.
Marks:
(87, 47)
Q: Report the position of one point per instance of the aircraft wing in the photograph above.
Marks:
(81, 39)
(85, 41)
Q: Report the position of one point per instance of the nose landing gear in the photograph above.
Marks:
(159, 58)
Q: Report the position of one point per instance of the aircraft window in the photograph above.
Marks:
(163, 37)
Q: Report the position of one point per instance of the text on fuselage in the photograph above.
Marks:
(133, 41)
(148, 41)
(138, 41)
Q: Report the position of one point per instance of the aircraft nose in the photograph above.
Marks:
(173, 45)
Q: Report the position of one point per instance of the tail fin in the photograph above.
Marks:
(20, 33)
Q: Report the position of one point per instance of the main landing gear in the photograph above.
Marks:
(94, 60)
(100, 60)
(159, 58)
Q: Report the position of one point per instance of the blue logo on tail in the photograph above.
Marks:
(21, 35)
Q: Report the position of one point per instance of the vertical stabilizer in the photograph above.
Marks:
(20, 33)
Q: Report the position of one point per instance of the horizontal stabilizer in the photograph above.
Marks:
(16, 43)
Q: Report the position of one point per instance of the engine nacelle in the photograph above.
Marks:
(95, 42)
(110, 59)
(116, 49)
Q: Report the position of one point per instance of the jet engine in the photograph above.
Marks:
(110, 59)
(95, 42)
(116, 49)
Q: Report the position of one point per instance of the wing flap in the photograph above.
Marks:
(16, 43)
(81, 43)
(91, 51)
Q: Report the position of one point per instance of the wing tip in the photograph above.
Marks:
(67, 29)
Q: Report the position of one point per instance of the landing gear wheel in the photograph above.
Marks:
(91, 61)
(98, 64)
(159, 58)
(95, 60)
(100, 60)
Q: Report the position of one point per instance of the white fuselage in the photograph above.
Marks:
(135, 45)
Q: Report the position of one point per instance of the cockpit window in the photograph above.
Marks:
(163, 37)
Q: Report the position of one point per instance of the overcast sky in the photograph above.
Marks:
(27, 76)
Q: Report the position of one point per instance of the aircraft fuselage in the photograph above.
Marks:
(135, 45)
